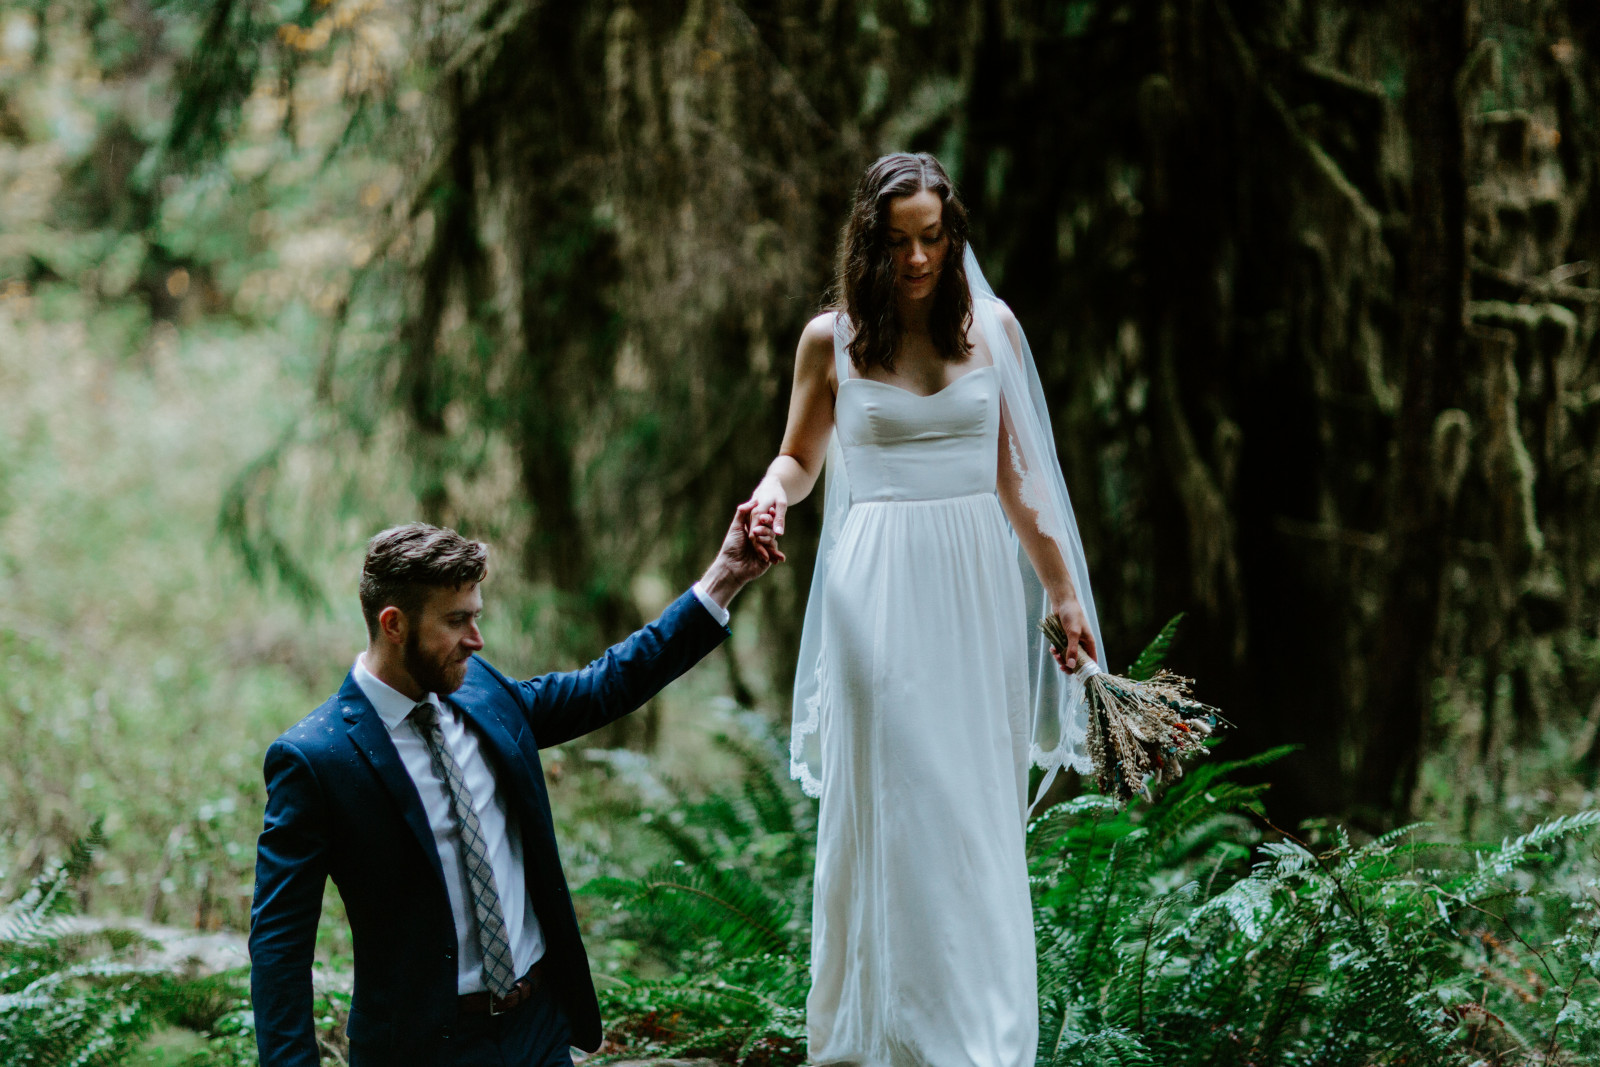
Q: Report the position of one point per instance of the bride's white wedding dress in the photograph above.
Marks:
(922, 938)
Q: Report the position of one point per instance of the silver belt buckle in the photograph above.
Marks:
(511, 999)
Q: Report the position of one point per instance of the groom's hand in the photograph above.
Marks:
(741, 558)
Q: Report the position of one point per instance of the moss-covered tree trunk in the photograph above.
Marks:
(1432, 301)
(1309, 285)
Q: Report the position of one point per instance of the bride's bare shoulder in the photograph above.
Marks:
(815, 353)
(819, 331)
(1007, 322)
(1001, 310)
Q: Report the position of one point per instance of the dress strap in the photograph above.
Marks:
(841, 353)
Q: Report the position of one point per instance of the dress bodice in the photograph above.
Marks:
(899, 445)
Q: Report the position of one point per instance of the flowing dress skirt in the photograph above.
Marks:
(922, 939)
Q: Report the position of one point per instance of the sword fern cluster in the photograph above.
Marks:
(64, 996)
(723, 925)
(75, 994)
(1189, 931)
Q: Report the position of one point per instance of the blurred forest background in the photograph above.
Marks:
(1314, 287)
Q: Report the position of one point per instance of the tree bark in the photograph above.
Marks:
(1433, 298)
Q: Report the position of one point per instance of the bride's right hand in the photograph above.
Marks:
(768, 499)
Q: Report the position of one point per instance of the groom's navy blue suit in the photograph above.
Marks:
(340, 804)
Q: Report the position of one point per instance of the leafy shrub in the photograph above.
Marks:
(1153, 949)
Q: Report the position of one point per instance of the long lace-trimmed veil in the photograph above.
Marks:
(1060, 720)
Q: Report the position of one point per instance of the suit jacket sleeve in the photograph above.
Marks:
(291, 871)
(569, 704)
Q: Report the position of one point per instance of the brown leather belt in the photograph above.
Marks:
(486, 1003)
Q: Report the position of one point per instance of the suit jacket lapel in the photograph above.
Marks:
(509, 760)
(371, 738)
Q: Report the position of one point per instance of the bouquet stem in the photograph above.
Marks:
(1139, 731)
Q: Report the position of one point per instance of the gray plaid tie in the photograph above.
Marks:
(497, 966)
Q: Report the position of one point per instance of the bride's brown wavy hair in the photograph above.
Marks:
(865, 286)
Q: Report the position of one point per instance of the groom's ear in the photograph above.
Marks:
(393, 625)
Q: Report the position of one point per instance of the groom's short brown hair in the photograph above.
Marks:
(403, 562)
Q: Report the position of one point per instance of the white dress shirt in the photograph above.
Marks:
(500, 832)
(717, 611)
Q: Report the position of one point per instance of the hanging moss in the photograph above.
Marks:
(1309, 286)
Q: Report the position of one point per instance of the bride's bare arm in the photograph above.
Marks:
(793, 474)
(1043, 552)
(1049, 563)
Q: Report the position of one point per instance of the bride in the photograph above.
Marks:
(924, 689)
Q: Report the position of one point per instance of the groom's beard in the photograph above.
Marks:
(434, 675)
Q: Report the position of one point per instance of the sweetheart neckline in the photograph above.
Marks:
(923, 396)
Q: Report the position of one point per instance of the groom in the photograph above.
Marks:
(417, 789)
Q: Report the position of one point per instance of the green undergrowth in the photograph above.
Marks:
(75, 995)
(1190, 930)
(87, 995)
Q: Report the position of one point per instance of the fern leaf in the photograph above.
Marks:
(723, 906)
(1246, 904)
(1496, 865)
(1155, 653)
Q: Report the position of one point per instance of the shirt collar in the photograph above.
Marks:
(391, 705)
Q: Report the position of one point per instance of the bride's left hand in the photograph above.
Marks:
(1080, 642)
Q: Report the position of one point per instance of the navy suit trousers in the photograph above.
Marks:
(534, 1034)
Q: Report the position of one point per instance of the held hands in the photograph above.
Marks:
(741, 558)
(764, 523)
(1080, 643)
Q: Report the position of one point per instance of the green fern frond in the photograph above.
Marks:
(678, 837)
(729, 1013)
(1155, 653)
(1287, 858)
(771, 803)
(67, 995)
(720, 906)
(1205, 773)
(244, 521)
(1063, 1045)
(46, 894)
(1390, 840)
(1247, 904)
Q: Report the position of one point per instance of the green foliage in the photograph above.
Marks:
(726, 917)
(62, 1002)
(1188, 931)
(144, 670)
(233, 43)
(260, 548)
(1155, 653)
(80, 994)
